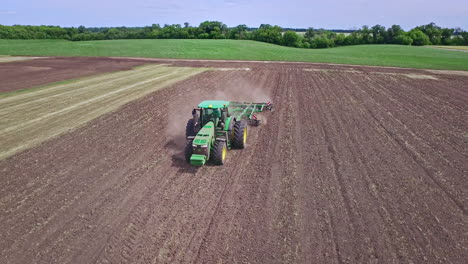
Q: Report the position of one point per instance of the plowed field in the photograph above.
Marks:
(355, 165)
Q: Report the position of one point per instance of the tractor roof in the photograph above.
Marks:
(213, 104)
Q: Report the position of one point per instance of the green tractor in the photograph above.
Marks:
(217, 126)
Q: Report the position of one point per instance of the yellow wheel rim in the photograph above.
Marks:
(223, 155)
(245, 135)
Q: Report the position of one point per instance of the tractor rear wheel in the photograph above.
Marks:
(240, 134)
(190, 128)
(188, 150)
(218, 153)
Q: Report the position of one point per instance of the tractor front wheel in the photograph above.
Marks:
(188, 150)
(218, 154)
(240, 134)
(190, 128)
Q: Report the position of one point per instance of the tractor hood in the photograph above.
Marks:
(205, 135)
(202, 145)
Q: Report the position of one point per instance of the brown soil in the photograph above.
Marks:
(352, 166)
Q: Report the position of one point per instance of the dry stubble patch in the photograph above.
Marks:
(409, 75)
(14, 58)
(31, 118)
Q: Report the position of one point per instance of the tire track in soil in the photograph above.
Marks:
(379, 249)
(172, 216)
(453, 158)
(325, 180)
(337, 221)
(262, 229)
(447, 125)
(235, 206)
(421, 213)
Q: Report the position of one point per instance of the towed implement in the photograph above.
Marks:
(217, 126)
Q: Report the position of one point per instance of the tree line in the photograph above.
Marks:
(429, 34)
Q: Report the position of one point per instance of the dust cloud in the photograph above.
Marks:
(241, 90)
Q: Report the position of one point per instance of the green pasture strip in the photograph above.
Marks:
(374, 55)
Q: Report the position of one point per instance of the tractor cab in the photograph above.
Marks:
(214, 111)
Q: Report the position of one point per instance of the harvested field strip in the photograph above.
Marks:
(30, 118)
(63, 95)
(25, 76)
(454, 48)
(14, 58)
(56, 89)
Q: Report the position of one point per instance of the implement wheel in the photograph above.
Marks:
(218, 154)
(188, 150)
(240, 135)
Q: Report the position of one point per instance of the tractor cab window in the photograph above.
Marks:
(210, 114)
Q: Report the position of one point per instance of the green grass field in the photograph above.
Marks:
(378, 55)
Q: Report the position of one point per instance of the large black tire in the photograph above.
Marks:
(240, 134)
(188, 150)
(190, 128)
(218, 153)
(231, 130)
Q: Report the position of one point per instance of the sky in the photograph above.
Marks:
(328, 14)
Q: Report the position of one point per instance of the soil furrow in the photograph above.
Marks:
(355, 165)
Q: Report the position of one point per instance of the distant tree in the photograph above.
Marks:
(214, 29)
(312, 38)
(310, 33)
(81, 29)
(113, 33)
(238, 32)
(174, 31)
(268, 33)
(153, 34)
(204, 36)
(319, 38)
(291, 39)
(446, 36)
(353, 39)
(393, 33)
(378, 34)
(403, 39)
(304, 43)
(419, 38)
(432, 31)
(321, 43)
(464, 35)
(340, 40)
(457, 31)
(366, 35)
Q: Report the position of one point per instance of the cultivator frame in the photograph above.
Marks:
(248, 110)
